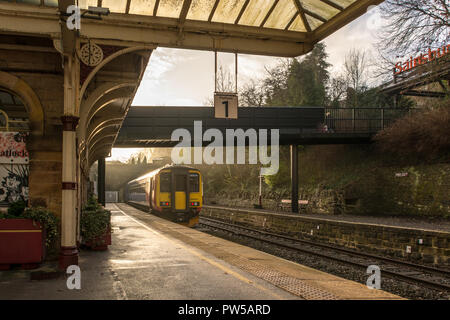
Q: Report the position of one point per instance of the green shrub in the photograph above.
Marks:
(47, 219)
(420, 136)
(16, 209)
(95, 221)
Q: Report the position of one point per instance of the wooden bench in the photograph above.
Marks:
(287, 204)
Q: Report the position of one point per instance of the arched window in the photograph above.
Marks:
(13, 114)
(14, 158)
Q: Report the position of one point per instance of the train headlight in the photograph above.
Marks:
(195, 204)
(164, 204)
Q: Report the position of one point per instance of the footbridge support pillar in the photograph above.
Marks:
(294, 178)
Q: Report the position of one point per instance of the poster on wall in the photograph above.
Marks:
(14, 167)
(13, 148)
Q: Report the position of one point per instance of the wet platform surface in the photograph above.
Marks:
(152, 258)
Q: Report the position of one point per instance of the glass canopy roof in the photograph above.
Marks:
(293, 15)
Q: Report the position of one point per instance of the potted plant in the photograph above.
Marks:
(95, 226)
(25, 234)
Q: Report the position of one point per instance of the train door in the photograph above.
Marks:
(180, 191)
(151, 194)
(164, 198)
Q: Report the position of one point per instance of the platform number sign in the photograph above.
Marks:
(226, 105)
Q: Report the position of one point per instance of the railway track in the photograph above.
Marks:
(426, 276)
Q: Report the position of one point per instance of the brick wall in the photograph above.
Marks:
(375, 239)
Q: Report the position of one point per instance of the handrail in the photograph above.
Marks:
(360, 120)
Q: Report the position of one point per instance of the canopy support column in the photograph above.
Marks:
(69, 251)
(101, 181)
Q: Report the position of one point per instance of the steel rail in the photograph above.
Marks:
(221, 225)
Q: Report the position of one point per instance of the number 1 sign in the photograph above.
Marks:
(226, 105)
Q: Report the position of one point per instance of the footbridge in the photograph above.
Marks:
(146, 127)
(153, 127)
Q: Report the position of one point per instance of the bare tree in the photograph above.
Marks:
(225, 81)
(412, 25)
(252, 94)
(356, 69)
(337, 90)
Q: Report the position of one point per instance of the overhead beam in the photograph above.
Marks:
(155, 9)
(19, 47)
(198, 35)
(213, 10)
(292, 21)
(301, 12)
(184, 11)
(423, 93)
(244, 7)
(100, 125)
(24, 19)
(103, 152)
(333, 4)
(269, 13)
(101, 140)
(352, 12)
(122, 94)
(214, 28)
(315, 15)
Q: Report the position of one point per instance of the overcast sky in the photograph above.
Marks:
(177, 77)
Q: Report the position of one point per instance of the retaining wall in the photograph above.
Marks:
(371, 238)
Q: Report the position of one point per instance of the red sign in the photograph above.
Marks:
(13, 148)
(431, 55)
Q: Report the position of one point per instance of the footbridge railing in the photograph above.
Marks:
(360, 120)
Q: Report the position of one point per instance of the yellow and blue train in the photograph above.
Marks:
(172, 192)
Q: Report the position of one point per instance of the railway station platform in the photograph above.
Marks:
(152, 258)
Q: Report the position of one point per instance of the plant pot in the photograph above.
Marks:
(100, 243)
(21, 242)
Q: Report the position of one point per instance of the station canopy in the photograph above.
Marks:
(293, 15)
(295, 25)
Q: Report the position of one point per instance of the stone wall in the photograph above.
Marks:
(320, 201)
(42, 71)
(342, 179)
(377, 239)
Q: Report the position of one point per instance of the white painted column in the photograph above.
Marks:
(69, 252)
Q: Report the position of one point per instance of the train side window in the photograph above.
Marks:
(165, 182)
(194, 182)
